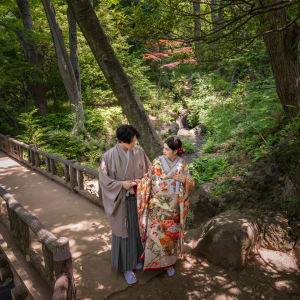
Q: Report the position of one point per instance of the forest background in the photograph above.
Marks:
(214, 59)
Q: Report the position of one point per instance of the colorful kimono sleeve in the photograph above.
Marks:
(143, 196)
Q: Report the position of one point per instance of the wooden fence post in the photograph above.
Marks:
(66, 173)
(63, 269)
(37, 161)
(53, 166)
(12, 218)
(31, 155)
(23, 232)
(21, 151)
(48, 259)
(7, 144)
(47, 162)
(80, 179)
(73, 176)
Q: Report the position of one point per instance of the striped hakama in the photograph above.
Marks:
(126, 252)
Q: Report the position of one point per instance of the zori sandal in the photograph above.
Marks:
(130, 277)
(171, 271)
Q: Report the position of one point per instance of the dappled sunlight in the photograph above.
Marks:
(66, 214)
(277, 261)
(197, 278)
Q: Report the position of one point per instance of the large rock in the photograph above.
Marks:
(228, 239)
(202, 203)
(297, 253)
(168, 129)
(275, 233)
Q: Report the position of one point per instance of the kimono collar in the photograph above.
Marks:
(126, 160)
(166, 166)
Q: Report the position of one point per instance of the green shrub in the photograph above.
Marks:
(188, 146)
(208, 168)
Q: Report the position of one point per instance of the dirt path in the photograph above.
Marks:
(271, 275)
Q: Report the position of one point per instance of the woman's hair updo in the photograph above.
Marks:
(174, 143)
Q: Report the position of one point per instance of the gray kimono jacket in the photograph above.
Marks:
(114, 169)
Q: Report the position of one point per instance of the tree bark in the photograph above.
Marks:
(217, 13)
(282, 47)
(33, 57)
(65, 68)
(214, 17)
(73, 47)
(115, 75)
(197, 29)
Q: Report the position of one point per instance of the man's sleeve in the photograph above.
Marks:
(110, 188)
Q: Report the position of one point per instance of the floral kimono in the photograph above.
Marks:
(162, 209)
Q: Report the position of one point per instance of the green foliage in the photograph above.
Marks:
(27, 120)
(53, 133)
(235, 98)
(103, 121)
(248, 117)
(206, 169)
(188, 146)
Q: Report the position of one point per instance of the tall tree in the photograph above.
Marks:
(73, 47)
(34, 58)
(282, 43)
(197, 29)
(217, 12)
(234, 25)
(65, 68)
(115, 75)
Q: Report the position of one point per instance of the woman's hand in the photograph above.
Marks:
(127, 185)
(179, 177)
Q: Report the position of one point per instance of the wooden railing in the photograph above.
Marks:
(55, 260)
(67, 172)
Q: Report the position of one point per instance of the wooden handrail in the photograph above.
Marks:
(73, 172)
(56, 251)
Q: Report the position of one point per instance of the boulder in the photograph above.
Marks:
(202, 203)
(173, 129)
(200, 129)
(228, 239)
(182, 119)
(297, 253)
(169, 129)
(186, 133)
(275, 233)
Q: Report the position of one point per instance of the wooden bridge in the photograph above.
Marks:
(42, 221)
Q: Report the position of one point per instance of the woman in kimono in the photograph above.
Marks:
(163, 201)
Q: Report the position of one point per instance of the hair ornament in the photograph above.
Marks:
(179, 150)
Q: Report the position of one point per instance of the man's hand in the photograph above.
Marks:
(127, 185)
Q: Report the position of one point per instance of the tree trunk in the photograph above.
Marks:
(282, 47)
(217, 13)
(73, 47)
(33, 57)
(214, 17)
(197, 29)
(65, 68)
(115, 75)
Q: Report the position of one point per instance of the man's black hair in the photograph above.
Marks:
(125, 133)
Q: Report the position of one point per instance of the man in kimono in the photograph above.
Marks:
(120, 168)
